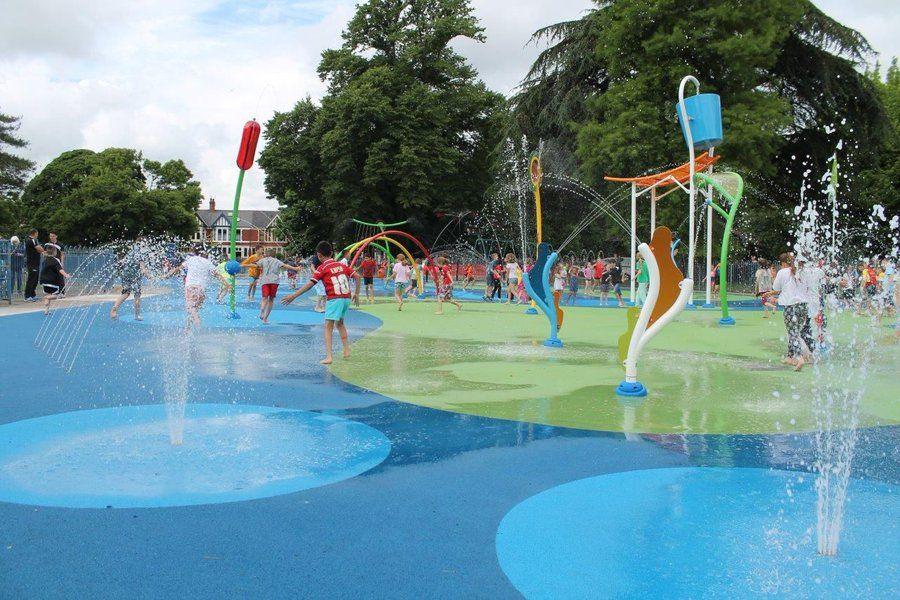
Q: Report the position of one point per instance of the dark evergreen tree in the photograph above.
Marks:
(789, 76)
(14, 173)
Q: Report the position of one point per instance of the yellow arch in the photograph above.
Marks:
(420, 282)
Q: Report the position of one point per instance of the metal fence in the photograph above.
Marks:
(89, 267)
(740, 276)
(6, 271)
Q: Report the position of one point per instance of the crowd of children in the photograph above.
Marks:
(796, 286)
(803, 289)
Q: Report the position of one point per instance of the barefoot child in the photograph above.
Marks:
(400, 275)
(763, 283)
(270, 270)
(367, 268)
(511, 274)
(198, 269)
(133, 269)
(335, 277)
(470, 276)
(253, 271)
(444, 280)
(52, 277)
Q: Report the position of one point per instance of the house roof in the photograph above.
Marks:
(255, 219)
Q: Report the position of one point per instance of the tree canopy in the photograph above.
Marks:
(788, 75)
(14, 173)
(95, 197)
(405, 130)
(880, 182)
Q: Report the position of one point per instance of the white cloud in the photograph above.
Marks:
(178, 78)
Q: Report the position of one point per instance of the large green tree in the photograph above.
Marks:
(95, 197)
(880, 184)
(789, 78)
(406, 128)
(14, 172)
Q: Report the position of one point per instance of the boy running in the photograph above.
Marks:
(444, 279)
(367, 268)
(615, 281)
(269, 273)
(335, 277)
(198, 269)
(133, 269)
(470, 276)
(253, 271)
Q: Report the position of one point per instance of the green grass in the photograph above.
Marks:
(488, 360)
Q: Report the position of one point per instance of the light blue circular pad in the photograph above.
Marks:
(122, 457)
(698, 533)
(219, 317)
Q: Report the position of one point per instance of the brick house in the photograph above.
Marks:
(255, 228)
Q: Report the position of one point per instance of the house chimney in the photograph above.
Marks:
(212, 203)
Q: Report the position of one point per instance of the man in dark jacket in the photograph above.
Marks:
(33, 251)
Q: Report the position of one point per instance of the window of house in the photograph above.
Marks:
(221, 234)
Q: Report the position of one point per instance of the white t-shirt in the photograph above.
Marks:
(198, 270)
(791, 290)
(559, 280)
(401, 273)
(512, 270)
(270, 270)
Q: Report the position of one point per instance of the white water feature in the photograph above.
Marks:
(844, 344)
(94, 285)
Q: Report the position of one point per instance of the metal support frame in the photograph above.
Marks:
(692, 191)
(709, 237)
(634, 196)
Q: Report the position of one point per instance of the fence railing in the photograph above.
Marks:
(90, 267)
(6, 271)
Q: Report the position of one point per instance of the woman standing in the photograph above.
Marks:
(792, 297)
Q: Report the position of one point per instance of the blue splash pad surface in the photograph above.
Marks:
(698, 532)
(422, 524)
(219, 317)
(122, 457)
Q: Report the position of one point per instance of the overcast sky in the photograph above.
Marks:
(178, 78)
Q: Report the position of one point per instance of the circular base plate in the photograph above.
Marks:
(123, 457)
(627, 388)
(553, 343)
(726, 321)
(698, 532)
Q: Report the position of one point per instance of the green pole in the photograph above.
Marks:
(233, 233)
(734, 201)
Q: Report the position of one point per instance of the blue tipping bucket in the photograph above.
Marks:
(705, 114)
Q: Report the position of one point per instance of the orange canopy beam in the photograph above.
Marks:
(679, 174)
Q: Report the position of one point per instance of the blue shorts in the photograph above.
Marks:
(336, 309)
